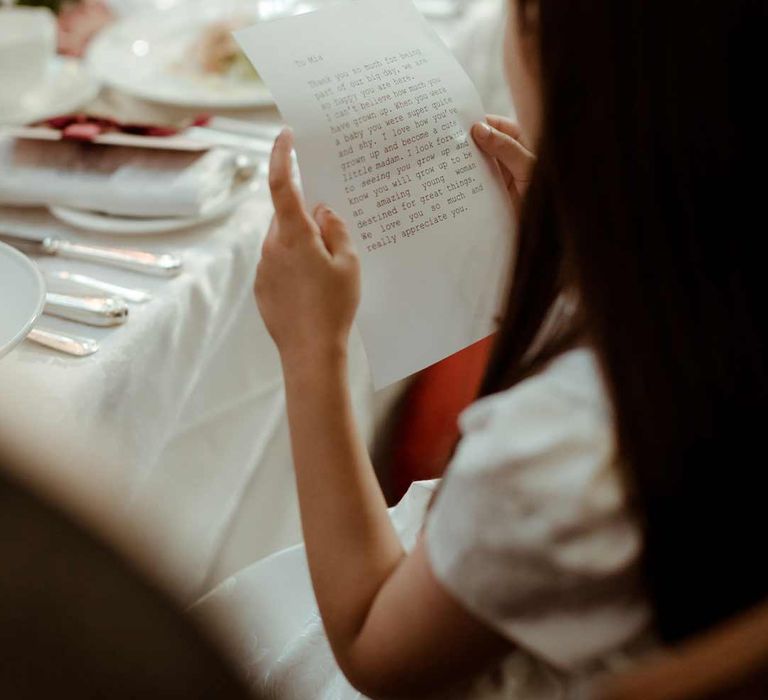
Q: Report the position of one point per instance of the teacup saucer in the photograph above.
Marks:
(66, 87)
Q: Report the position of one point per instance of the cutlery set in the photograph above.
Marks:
(99, 303)
(103, 304)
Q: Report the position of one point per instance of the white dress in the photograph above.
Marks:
(529, 532)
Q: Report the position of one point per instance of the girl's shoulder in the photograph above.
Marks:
(531, 529)
(570, 381)
(559, 416)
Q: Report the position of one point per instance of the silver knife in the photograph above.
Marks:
(164, 264)
(93, 311)
(136, 296)
(68, 344)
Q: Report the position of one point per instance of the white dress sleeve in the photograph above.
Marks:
(530, 531)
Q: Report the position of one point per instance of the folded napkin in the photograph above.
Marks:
(116, 180)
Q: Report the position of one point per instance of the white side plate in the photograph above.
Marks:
(22, 296)
(146, 55)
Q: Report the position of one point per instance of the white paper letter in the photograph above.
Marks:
(381, 112)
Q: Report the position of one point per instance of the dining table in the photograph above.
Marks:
(187, 396)
(186, 399)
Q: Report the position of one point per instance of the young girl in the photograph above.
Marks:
(605, 493)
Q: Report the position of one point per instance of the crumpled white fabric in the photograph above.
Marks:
(478, 44)
(306, 668)
(269, 619)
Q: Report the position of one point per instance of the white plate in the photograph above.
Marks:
(144, 55)
(134, 226)
(67, 87)
(22, 295)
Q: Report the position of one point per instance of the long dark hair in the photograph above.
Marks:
(648, 205)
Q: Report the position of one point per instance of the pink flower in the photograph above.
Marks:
(79, 22)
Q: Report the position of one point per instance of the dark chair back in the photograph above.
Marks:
(77, 620)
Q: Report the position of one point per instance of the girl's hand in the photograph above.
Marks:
(308, 280)
(500, 138)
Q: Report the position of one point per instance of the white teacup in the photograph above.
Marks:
(27, 43)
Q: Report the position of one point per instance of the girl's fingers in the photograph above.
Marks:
(286, 198)
(272, 232)
(505, 125)
(515, 157)
(332, 230)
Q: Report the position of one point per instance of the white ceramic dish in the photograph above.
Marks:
(22, 296)
(66, 87)
(145, 55)
(133, 226)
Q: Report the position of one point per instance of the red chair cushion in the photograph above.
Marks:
(426, 430)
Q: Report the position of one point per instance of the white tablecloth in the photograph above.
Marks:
(185, 400)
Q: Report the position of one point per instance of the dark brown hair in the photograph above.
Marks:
(647, 204)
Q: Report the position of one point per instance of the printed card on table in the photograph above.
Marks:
(381, 112)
